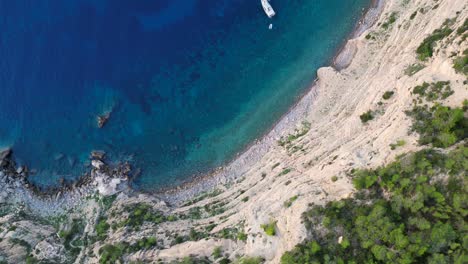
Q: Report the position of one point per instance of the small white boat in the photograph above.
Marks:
(268, 9)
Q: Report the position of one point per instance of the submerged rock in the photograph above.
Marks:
(5, 153)
(98, 154)
(59, 156)
(102, 119)
(71, 161)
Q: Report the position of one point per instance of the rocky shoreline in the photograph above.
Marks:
(176, 195)
(103, 178)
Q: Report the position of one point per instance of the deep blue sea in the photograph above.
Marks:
(190, 83)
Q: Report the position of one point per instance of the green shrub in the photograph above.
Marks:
(433, 91)
(439, 125)
(224, 261)
(143, 244)
(111, 253)
(460, 64)
(107, 201)
(275, 165)
(391, 19)
(101, 228)
(387, 95)
(426, 49)
(242, 236)
(285, 171)
(366, 117)
(463, 28)
(334, 178)
(290, 201)
(141, 213)
(232, 233)
(414, 68)
(269, 228)
(298, 133)
(399, 143)
(217, 252)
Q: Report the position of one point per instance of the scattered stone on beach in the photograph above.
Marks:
(98, 154)
(102, 119)
(20, 169)
(97, 164)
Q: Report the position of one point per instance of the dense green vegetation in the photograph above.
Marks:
(426, 48)
(101, 228)
(439, 125)
(402, 213)
(410, 211)
(141, 213)
(113, 253)
(366, 117)
(433, 91)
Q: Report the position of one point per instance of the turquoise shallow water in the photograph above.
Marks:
(190, 83)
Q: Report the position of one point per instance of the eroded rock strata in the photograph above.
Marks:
(355, 117)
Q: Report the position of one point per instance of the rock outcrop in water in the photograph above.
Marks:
(102, 119)
(4, 154)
